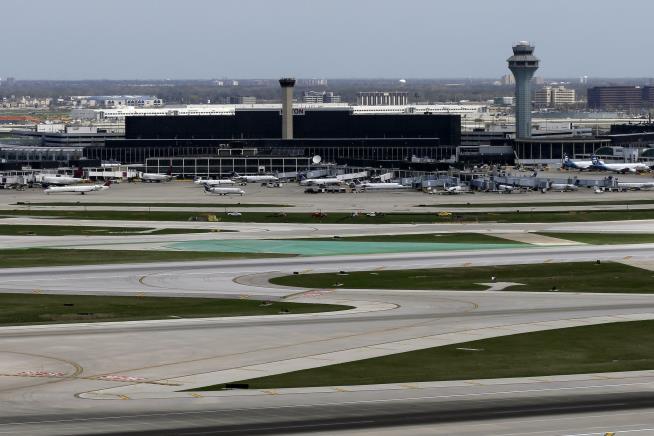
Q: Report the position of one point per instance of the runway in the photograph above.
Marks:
(54, 376)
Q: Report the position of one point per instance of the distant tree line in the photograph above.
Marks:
(202, 91)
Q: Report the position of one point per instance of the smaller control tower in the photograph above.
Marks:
(523, 64)
(287, 84)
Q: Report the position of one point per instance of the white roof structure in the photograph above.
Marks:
(298, 108)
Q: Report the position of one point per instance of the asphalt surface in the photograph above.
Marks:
(291, 194)
(116, 377)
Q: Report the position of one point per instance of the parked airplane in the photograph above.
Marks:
(636, 185)
(456, 189)
(377, 186)
(219, 190)
(80, 189)
(320, 182)
(214, 182)
(619, 167)
(59, 180)
(563, 187)
(255, 179)
(451, 190)
(156, 177)
(508, 189)
(576, 164)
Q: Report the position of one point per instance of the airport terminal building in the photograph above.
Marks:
(336, 133)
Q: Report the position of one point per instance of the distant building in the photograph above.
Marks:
(503, 101)
(507, 80)
(313, 82)
(648, 96)
(554, 96)
(615, 97)
(117, 101)
(320, 97)
(9, 81)
(381, 98)
(226, 82)
(312, 97)
(330, 97)
(242, 100)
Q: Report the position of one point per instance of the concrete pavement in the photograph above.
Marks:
(48, 372)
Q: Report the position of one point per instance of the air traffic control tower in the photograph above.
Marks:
(523, 64)
(287, 84)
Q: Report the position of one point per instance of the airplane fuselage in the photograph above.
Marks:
(80, 189)
(319, 182)
(60, 180)
(257, 179)
(380, 186)
(152, 177)
(563, 187)
(216, 182)
(224, 191)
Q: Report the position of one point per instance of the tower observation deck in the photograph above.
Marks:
(523, 64)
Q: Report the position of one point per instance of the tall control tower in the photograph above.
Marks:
(523, 64)
(287, 84)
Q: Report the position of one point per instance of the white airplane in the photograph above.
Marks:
(319, 182)
(255, 179)
(576, 164)
(220, 190)
(378, 186)
(156, 177)
(507, 189)
(636, 185)
(563, 187)
(59, 180)
(620, 167)
(214, 182)
(456, 189)
(77, 189)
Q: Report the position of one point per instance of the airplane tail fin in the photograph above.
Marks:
(79, 172)
(107, 183)
(170, 170)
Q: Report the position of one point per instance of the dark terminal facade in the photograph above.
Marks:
(336, 134)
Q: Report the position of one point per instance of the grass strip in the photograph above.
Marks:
(603, 238)
(542, 203)
(21, 309)
(563, 277)
(620, 346)
(31, 257)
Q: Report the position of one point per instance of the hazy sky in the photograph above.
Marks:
(147, 39)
